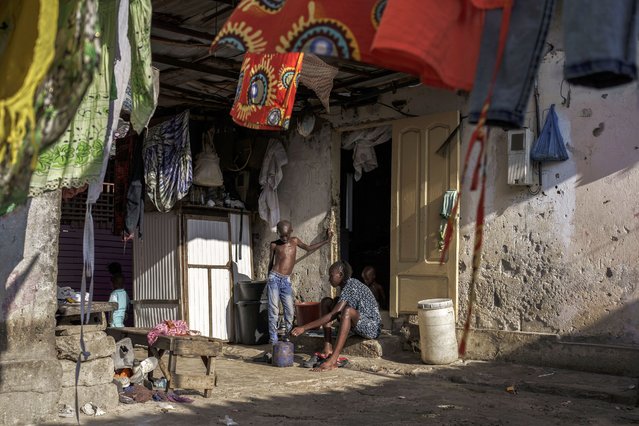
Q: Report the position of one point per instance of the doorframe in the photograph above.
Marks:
(337, 142)
(184, 218)
(452, 268)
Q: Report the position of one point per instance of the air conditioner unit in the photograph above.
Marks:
(520, 168)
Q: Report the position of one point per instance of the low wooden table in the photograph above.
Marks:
(207, 348)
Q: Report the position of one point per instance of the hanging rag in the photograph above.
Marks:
(27, 48)
(266, 90)
(143, 97)
(448, 202)
(168, 169)
(362, 143)
(124, 148)
(436, 40)
(318, 76)
(134, 212)
(550, 144)
(270, 177)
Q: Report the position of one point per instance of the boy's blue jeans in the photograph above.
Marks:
(279, 289)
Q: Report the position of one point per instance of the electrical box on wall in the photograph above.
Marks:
(520, 167)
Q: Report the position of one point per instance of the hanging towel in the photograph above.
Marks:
(449, 199)
(134, 218)
(270, 177)
(142, 81)
(266, 90)
(124, 148)
(27, 48)
(76, 158)
(550, 144)
(436, 40)
(168, 169)
(362, 142)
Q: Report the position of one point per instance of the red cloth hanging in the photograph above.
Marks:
(437, 40)
(337, 28)
(266, 90)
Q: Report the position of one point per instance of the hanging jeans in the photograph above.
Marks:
(279, 289)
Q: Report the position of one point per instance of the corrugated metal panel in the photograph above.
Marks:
(198, 290)
(156, 268)
(221, 303)
(207, 242)
(148, 315)
(108, 248)
(242, 254)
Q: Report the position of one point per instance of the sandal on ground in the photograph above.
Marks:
(342, 362)
(266, 357)
(314, 360)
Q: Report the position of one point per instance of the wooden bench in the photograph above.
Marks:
(68, 319)
(207, 348)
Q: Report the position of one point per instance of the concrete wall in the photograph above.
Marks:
(564, 261)
(30, 373)
(305, 195)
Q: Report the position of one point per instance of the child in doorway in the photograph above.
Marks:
(283, 257)
(370, 279)
(119, 296)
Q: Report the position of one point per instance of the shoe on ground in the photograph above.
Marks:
(312, 361)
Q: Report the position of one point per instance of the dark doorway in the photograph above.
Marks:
(366, 215)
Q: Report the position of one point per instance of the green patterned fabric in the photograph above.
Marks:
(76, 157)
(60, 93)
(141, 71)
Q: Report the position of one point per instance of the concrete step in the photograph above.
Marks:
(385, 345)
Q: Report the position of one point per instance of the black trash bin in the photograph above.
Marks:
(250, 291)
(252, 318)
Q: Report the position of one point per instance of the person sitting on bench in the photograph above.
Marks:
(356, 309)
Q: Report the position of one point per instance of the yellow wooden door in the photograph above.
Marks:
(420, 178)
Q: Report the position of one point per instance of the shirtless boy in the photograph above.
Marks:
(283, 254)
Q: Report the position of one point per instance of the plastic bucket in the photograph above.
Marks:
(251, 291)
(437, 339)
(307, 312)
(283, 354)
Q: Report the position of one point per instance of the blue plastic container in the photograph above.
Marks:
(283, 353)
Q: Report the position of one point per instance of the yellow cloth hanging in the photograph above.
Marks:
(29, 48)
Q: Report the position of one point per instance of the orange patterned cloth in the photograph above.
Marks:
(266, 90)
(337, 28)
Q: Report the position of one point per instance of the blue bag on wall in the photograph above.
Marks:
(550, 144)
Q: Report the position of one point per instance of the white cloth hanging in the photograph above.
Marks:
(362, 143)
(270, 177)
(122, 72)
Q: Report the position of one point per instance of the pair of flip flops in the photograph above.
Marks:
(318, 359)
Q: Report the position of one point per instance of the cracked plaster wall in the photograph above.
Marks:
(564, 261)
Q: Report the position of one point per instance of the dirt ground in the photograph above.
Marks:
(377, 391)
